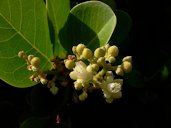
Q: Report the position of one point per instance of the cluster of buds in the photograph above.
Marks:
(96, 70)
(33, 64)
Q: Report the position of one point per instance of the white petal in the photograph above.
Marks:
(114, 87)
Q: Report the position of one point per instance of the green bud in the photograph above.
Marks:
(54, 90)
(35, 61)
(69, 64)
(111, 59)
(101, 61)
(21, 54)
(99, 52)
(87, 53)
(95, 67)
(79, 48)
(113, 51)
(119, 71)
(83, 96)
(30, 57)
(127, 66)
(127, 58)
(77, 86)
(89, 68)
(92, 68)
(109, 73)
(74, 49)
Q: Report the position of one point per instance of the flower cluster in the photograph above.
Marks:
(96, 70)
(33, 64)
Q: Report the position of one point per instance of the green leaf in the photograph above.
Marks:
(91, 23)
(35, 122)
(23, 26)
(111, 3)
(58, 11)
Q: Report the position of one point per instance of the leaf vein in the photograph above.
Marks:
(3, 41)
(27, 40)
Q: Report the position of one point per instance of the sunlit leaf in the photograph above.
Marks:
(23, 26)
(91, 23)
(58, 11)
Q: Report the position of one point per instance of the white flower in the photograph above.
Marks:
(111, 88)
(80, 72)
(114, 87)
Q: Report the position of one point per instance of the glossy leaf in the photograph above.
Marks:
(23, 26)
(58, 11)
(91, 23)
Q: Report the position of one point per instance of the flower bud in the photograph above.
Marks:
(83, 96)
(21, 54)
(95, 67)
(36, 79)
(77, 86)
(43, 80)
(32, 77)
(29, 67)
(54, 90)
(35, 61)
(109, 73)
(30, 57)
(87, 53)
(99, 52)
(74, 49)
(34, 69)
(119, 71)
(127, 58)
(89, 68)
(127, 66)
(111, 59)
(101, 61)
(92, 68)
(79, 48)
(69, 64)
(113, 51)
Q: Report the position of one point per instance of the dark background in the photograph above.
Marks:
(147, 106)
